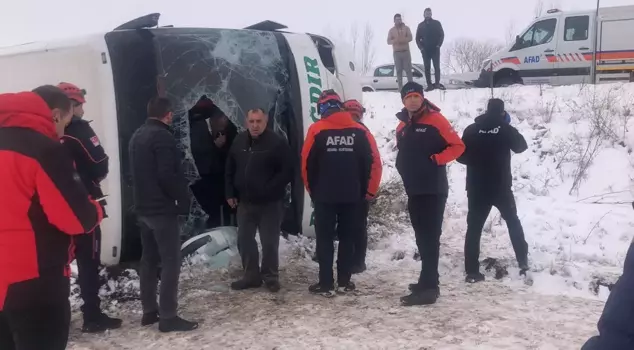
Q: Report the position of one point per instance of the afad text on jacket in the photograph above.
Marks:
(489, 142)
(340, 160)
(43, 202)
(426, 143)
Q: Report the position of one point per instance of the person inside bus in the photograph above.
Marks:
(212, 134)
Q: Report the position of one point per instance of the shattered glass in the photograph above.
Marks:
(237, 69)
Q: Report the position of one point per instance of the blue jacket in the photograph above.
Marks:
(616, 325)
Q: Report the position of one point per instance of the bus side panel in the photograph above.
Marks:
(313, 79)
(81, 64)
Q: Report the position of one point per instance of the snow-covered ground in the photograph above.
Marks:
(577, 242)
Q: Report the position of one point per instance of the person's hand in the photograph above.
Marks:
(233, 202)
(220, 141)
(433, 159)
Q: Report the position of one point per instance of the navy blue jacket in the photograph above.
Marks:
(616, 325)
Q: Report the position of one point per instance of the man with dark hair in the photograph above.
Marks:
(426, 144)
(160, 194)
(43, 204)
(91, 162)
(259, 167)
(399, 38)
(429, 38)
(341, 169)
(489, 142)
(212, 134)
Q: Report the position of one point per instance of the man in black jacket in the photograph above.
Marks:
(91, 162)
(259, 167)
(160, 195)
(429, 38)
(212, 134)
(489, 142)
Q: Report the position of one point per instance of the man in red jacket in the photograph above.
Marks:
(426, 144)
(43, 204)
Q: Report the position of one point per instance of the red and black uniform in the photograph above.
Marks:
(91, 162)
(426, 143)
(341, 168)
(43, 203)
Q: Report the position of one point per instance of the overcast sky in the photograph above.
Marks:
(36, 20)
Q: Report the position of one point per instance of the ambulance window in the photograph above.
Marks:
(385, 71)
(576, 28)
(540, 33)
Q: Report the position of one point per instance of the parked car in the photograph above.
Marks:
(383, 78)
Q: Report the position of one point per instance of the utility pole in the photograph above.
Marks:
(594, 46)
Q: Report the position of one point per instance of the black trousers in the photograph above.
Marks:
(429, 56)
(40, 327)
(426, 213)
(160, 236)
(361, 243)
(480, 204)
(337, 219)
(88, 262)
(267, 219)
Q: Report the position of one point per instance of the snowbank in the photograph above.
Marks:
(572, 185)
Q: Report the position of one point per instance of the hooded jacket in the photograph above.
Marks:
(340, 160)
(426, 143)
(43, 203)
(489, 142)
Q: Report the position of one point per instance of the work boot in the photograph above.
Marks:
(176, 324)
(149, 318)
(243, 284)
(346, 288)
(412, 287)
(422, 297)
(319, 289)
(474, 277)
(101, 323)
(273, 286)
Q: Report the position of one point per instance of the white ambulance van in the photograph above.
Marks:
(239, 69)
(558, 49)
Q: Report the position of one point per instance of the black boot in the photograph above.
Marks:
(346, 288)
(273, 286)
(413, 287)
(319, 289)
(474, 277)
(423, 297)
(149, 318)
(176, 324)
(101, 323)
(430, 87)
(243, 284)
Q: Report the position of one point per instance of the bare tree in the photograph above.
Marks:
(367, 49)
(360, 42)
(510, 32)
(466, 55)
(539, 8)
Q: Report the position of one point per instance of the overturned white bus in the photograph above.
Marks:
(239, 69)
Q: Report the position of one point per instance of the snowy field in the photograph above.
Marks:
(573, 196)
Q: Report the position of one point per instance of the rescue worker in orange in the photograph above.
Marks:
(361, 244)
(341, 169)
(426, 144)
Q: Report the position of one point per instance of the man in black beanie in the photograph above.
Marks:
(426, 144)
(489, 142)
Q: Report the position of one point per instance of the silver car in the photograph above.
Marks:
(383, 78)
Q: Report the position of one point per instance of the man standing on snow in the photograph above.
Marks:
(91, 162)
(429, 38)
(355, 108)
(341, 169)
(160, 194)
(426, 144)
(259, 166)
(43, 204)
(399, 37)
(489, 142)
